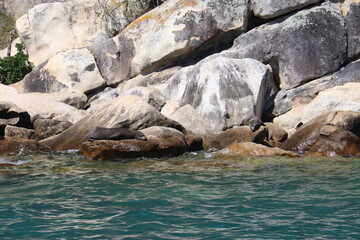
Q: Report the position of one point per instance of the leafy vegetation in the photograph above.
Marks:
(7, 24)
(13, 69)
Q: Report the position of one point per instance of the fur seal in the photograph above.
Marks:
(264, 101)
(100, 133)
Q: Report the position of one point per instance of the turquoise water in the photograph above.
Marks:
(197, 196)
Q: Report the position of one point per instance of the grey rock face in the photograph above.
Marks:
(73, 70)
(150, 95)
(45, 128)
(105, 53)
(191, 120)
(175, 30)
(305, 46)
(351, 12)
(285, 100)
(17, 8)
(19, 132)
(222, 90)
(274, 8)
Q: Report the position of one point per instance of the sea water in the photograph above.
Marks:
(195, 196)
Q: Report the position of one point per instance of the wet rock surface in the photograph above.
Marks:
(330, 133)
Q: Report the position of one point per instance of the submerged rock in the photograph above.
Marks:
(254, 149)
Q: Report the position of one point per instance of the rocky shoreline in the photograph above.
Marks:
(188, 74)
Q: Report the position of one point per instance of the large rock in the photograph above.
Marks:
(191, 120)
(222, 90)
(45, 128)
(19, 132)
(7, 89)
(100, 98)
(20, 146)
(17, 8)
(107, 57)
(73, 71)
(68, 25)
(118, 150)
(149, 94)
(330, 133)
(152, 79)
(335, 141)
(77, 100)
(175, 30)
(124, 111)
(305, 46)
(345, 98)
(73, 116)
(255, 149)
(11, 114)
(36, 106)
(162, 132)
(287, 99)
(171, 107)
(277, 134)
(351, 12)
(274, 8)
(238, 134)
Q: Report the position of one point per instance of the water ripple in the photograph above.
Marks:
(63, 198)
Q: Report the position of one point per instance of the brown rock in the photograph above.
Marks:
(194, 142)
(254, 149)
(330, 133)
(277, 134)
(334, 141)
(238, 134)
(24, 146)
(112, 150)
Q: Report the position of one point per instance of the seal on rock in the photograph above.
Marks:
(100, 133)
(265, 99)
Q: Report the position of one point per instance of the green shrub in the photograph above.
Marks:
(14, 69)
(7, 24)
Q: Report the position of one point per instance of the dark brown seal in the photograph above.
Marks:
(100, 133)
